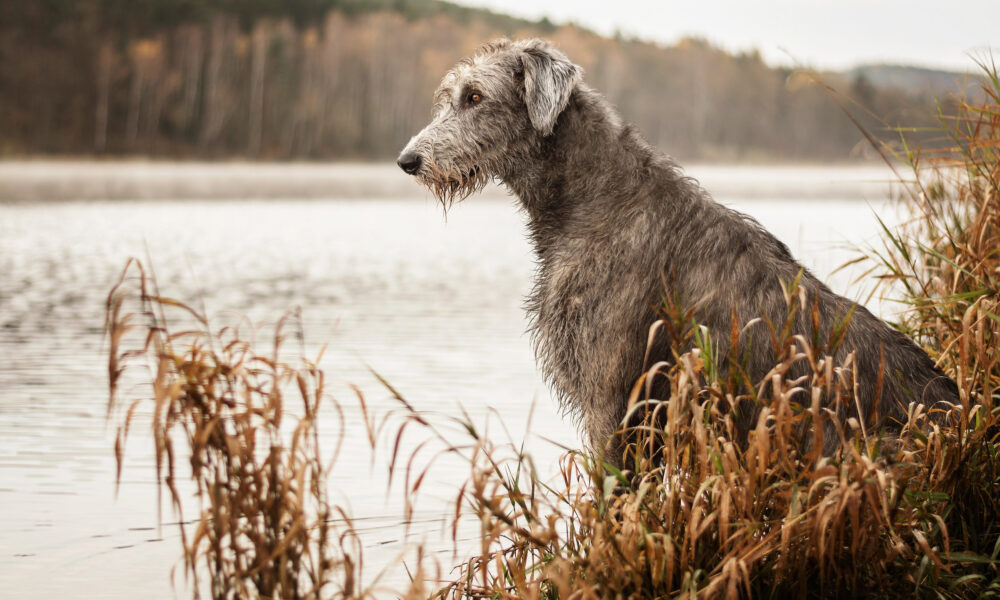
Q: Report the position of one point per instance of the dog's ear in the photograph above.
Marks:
(549, 79)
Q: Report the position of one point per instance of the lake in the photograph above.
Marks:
(431, 302)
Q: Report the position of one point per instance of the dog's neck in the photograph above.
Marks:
(590, 168)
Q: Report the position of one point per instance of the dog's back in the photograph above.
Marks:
(608, 261)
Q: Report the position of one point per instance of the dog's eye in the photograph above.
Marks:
(474, 98)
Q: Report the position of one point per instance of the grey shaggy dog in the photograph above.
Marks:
(614, 222)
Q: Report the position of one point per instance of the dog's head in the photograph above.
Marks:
(489, 108)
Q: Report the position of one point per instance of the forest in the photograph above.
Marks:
(353, 79)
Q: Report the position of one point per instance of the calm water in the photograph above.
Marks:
(379, 274)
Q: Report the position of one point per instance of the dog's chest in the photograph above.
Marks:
(587, 300)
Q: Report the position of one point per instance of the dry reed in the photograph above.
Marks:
(247, 426)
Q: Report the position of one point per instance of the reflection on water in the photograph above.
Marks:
(432, 304)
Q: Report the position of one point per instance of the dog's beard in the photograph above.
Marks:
(455, 183)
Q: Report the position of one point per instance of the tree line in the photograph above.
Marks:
(353, 79)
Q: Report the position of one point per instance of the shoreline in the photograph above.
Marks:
(47, 180)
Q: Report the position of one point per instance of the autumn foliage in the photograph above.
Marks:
(354, 79)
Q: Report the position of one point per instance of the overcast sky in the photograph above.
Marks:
(835, 34)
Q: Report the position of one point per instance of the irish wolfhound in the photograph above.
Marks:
(613, 221)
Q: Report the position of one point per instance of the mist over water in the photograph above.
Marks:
(380, 276)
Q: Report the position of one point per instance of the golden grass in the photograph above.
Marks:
(246, 426)
(708, 517)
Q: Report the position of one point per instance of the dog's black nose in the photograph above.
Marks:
(409, 162)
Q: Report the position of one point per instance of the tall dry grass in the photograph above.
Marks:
(242, 426)
(942, 265)
(700, 513)
(708, 517)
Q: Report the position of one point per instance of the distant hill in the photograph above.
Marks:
(911, 79)
(350, 79)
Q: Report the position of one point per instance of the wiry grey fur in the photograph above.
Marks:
(613, 220)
